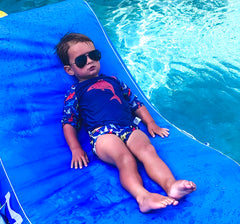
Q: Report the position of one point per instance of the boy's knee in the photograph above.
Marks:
(126, 159)
(147, 150)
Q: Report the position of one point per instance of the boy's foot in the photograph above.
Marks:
(181, 188)
(153, 201)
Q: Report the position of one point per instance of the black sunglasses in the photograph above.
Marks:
(81, 60)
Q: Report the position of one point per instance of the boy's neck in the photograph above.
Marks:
(82, 80)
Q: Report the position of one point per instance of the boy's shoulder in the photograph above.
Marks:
(72, 88)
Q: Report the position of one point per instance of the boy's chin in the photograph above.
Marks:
(92, 75)
(87, 77)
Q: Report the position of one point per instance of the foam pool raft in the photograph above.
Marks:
(37, 184)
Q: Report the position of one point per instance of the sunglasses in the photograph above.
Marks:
(81, 60)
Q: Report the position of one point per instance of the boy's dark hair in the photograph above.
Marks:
(66, 42)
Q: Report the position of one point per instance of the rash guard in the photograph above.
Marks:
(99, 101)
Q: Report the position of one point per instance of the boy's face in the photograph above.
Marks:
(90, 70)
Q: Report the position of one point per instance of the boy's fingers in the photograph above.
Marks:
(76, 164)
(165, 134)
(80, 162)
(161, 135)
(151, 132)
(85, 161)
(86, 158)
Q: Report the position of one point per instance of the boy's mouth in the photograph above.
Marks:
(91, 68)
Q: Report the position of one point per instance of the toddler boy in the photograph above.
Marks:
(107, 107)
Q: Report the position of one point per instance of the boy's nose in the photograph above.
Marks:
(89, 60)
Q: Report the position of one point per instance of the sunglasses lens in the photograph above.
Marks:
(81, 61)
(95, 55)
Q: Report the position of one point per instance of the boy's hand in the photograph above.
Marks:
(79, 158)
(153, 129)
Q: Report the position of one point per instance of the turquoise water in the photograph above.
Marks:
(184, 55)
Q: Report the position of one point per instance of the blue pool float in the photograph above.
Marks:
(37, 184)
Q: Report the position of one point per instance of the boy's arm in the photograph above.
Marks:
(79, 156)
(71, 123)
(147, 119)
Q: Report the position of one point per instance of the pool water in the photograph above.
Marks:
(185, 57)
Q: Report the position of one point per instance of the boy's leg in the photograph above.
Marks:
(111, 149)
(140, 145)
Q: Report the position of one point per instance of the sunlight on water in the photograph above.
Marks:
(186, 51)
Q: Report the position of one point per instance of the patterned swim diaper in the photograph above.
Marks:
(121, 132)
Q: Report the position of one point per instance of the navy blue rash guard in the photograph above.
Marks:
(99, 101)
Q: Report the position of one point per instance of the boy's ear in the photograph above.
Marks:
(68, 69)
